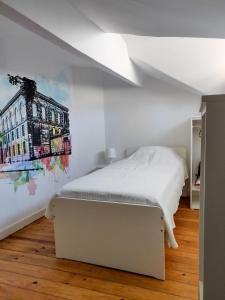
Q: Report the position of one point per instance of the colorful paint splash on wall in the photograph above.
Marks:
(27, 174)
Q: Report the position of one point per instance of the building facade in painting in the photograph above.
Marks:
(33, 126)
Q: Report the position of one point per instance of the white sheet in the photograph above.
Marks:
(151, 176)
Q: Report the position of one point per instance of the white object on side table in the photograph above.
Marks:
(110, 154)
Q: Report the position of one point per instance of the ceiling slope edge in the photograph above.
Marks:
(106, 51)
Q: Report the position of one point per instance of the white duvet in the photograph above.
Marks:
(151, 176)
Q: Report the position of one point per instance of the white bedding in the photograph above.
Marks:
(151, 176)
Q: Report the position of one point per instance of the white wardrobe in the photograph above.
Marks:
(212, 199)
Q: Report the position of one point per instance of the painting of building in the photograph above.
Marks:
(32, 125)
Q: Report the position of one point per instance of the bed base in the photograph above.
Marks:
(127, 237)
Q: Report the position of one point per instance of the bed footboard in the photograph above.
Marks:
(122, 236)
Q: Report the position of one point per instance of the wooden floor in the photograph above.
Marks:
(29, 270)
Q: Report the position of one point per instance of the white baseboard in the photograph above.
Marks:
(200, 290)
(21, 223)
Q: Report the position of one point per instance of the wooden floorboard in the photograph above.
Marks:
(29, 269)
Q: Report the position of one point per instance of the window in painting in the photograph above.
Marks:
(23, 130)
(10, 120)
(24, 147)
(18, 149)
(17, 133)
(34, 108)
(13, 149)
(15, 116)
(43, 113)
(7, 123)
(53, 115)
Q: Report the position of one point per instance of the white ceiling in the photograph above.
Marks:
(187, 49)
(198, 63)
(174, 18)
(187, 46)
(66, 27)
(15, 36)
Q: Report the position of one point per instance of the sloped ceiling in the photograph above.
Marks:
(65, 26)
(198, 63)
(26, 43)
(171, 39)
(169, 18)
(181, 41)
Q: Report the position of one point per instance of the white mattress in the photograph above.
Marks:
(151, 176)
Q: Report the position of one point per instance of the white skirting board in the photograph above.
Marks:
(200, 290)
(21, 223)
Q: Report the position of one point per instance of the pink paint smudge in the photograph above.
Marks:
(32, 186)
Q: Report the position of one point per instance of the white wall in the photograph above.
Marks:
(87, 120)
(155, 114)
(24, 54)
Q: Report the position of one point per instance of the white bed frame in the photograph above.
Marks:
(123, 236)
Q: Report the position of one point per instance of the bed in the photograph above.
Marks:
(118, 216)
